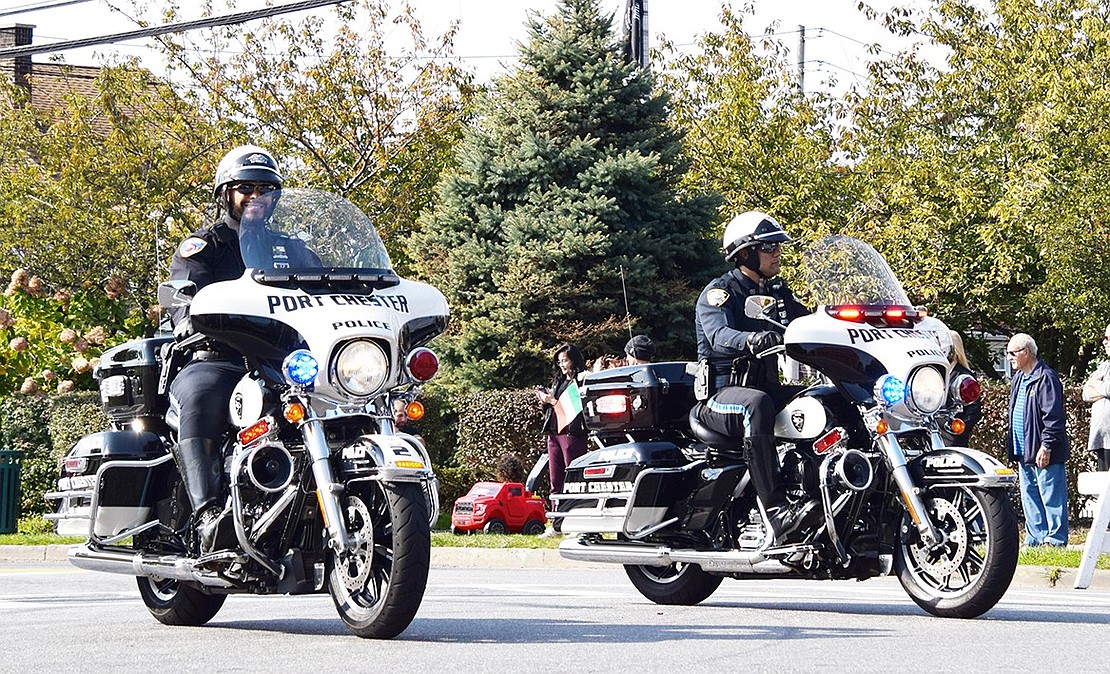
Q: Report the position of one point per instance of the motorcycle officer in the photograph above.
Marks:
(245, 189)
(745, 389)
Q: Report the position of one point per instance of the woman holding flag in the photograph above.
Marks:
(563, 425)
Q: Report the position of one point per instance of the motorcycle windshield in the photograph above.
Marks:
(840, 270)
(303, 232)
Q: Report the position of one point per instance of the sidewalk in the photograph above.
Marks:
(522, 558)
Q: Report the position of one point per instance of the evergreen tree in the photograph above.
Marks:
(570, 174)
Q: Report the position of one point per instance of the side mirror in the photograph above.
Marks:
(177, 293)
(758, 306)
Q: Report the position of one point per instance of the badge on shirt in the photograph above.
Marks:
(191, 246)
(716, 297)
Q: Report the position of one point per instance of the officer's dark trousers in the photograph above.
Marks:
(201, 392)
(748, 413)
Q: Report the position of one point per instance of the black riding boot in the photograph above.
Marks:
(201, 467)
(763, 465)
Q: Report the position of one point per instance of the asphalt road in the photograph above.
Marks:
(54, 617)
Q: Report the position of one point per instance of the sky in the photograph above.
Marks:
(490, 30)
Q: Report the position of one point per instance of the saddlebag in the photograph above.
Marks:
(124, 467)
(623, 488)
(128, 380)
(652, 397)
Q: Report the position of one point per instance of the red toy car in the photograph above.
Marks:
(499, 508)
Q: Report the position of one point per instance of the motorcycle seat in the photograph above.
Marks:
(709, 436)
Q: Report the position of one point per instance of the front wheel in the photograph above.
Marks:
(377, 587)
(971, 569)
(678, 584)
(174, 603)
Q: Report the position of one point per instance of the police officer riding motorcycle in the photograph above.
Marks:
(245, 190)
(742, 383)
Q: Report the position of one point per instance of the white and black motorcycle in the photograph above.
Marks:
(325, 493)
(672, 502)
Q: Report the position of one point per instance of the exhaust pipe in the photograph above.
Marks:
(728, 561)
(170, 567)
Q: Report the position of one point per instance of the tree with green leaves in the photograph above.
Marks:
(986, 180)
(567, 194)
(99, 186)
(352, 109)
(751, 137)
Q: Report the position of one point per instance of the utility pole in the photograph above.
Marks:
(636, 31)
(801, 61)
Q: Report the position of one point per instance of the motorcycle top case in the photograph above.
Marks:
(128, 378)
(638, 397)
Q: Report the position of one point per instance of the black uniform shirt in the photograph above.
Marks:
(722, 328)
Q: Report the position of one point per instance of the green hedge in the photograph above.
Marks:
(44, 428)
(990, 434)
(494, 423)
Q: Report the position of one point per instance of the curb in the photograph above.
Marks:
(525, 558)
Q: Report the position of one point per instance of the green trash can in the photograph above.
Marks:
(10, 464)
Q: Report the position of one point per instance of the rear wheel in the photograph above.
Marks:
(533, 528)
(174, 603)
(377, 587)
(971, 569)
(678, 584)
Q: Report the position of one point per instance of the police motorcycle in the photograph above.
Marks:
(672, 502)
(325, 493)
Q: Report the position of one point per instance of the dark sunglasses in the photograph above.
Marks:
(251, 188)
(1017, 351)
(769, 247)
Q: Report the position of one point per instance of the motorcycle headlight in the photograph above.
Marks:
(926, 390)
(361, 368)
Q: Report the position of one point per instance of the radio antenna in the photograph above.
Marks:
(627, 313)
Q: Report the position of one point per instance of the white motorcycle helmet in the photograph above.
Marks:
(748, 230)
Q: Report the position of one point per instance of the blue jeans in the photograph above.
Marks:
(1044, 498)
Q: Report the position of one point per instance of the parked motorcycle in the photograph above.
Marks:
(672, 501)
(325, 493)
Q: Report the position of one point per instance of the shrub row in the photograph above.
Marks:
(44, 428)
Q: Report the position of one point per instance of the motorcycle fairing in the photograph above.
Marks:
(270, 322)
(961, 466)
(856, 355)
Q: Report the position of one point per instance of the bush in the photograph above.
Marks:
(44, 429)
(51, 341)
(439, 427)
(990, 435)
(494, 423)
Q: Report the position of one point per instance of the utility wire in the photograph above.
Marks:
(35, 7)
(210, 22)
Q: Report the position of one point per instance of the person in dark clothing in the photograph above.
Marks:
(565, 443)
(565, 428)
(1038, 440)
(745, 389)
(972, 411)
(245, 189)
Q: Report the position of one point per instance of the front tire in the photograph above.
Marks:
(174, 603)
(678, 584)
(377, 588)
(972, 568)
(496, 525)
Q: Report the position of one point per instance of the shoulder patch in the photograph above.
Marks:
(716, 297)
(191, 246)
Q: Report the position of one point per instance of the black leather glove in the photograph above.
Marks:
(760, 342)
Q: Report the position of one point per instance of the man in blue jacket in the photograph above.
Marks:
(1038, 440)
